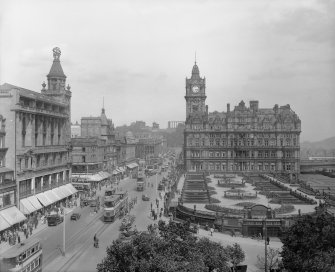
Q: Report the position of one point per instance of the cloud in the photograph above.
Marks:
(308, 24)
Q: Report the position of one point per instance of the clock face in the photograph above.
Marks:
(195, 89)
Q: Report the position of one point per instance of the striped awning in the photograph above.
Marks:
(34, 201)
(12, 215)
(26, 207)
(44, 199)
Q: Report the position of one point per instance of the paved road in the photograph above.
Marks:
(80, 253)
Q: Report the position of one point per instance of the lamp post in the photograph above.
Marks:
(266, 246)
(64, 231)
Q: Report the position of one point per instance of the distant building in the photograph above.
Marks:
(155, 125)
(38, 139)
(175, 124)
(243, 140)
(90, 164)
(102, 128)
(75, 130)
(150, 147)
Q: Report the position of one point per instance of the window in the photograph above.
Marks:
(266, 142)
(203, 142)
(24, 127)
(288, 167)
(281, 142)
(294, 141)
(260, 154)
(266, 154)
(223, 154)
(217, 154)
(211, 142)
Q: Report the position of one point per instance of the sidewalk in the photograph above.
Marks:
(4, 246)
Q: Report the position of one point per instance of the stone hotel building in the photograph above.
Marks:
(37, 140)
(246, 139)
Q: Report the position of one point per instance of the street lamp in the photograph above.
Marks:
(266, 246)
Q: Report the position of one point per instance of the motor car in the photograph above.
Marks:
(145, 198)
(54, 219)
(75, 216)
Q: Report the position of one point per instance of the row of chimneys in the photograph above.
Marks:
(253, 105)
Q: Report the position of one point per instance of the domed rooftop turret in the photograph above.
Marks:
(56, 70)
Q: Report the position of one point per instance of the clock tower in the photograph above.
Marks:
(195, 93)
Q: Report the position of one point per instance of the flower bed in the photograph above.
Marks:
(285, 208)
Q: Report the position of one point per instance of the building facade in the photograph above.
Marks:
(175, 124)
(38, 137)
(102, 128)
(7, 182)
(150, 147)
(244, 139)
(75, 130)
(89, 162)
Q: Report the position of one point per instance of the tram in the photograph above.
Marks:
(109, 192)
(24, 257)
(115, 205)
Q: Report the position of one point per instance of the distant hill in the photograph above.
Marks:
(324, 148)
(324, 144)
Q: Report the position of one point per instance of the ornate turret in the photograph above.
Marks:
(56, 77)
(195, 71)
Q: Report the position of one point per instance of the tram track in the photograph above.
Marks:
(70, 242)
(82, 248)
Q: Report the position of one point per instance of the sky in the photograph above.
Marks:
(137, 54)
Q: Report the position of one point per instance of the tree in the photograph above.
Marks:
(173, 249)
(309, 245)
(273, 259)
(235, 255)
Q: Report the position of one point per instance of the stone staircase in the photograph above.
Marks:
(195, 189)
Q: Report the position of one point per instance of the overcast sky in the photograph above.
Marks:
(137, 54)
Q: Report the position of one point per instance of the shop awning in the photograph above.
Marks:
(12, 215)
(44, 199)
(52, 196)
(104, 175)
(66, 192)
(121, 169)
(95, 177)
(71, 188)
(132, 165)
(59, 193)
(34, 201)
(115, 172)
(3, 223)
(26, 207)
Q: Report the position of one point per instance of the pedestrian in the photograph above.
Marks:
(211, 230)
(18, 239)
(268, 240)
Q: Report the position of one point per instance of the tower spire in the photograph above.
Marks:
(195, 57)
(103, 105)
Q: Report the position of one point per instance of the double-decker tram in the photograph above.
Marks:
(109, 192)
(24, 257)
(114, 205)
